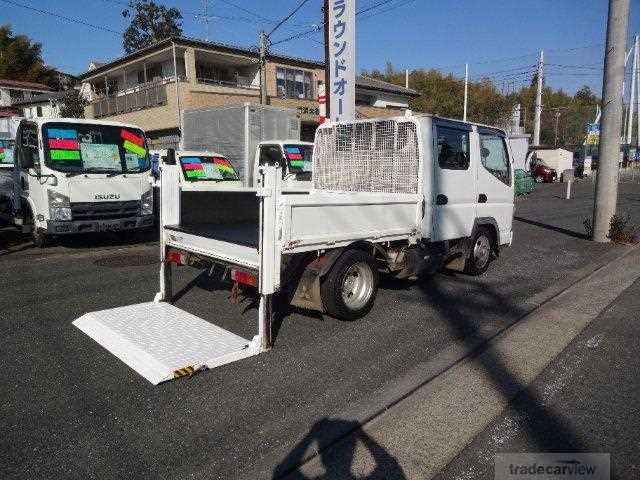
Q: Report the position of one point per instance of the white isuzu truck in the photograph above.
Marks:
(77, 176)
(399, 196)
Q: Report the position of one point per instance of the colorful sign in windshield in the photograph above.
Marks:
(295, 157)
(133, 143)
(207, 168)
(63, 144)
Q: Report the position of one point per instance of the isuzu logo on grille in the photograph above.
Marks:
(106, 196)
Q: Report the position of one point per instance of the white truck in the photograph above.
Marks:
(235, 131)
(400, 196)
(77, 176)
(295, 158)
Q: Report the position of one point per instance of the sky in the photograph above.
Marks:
(500, 39)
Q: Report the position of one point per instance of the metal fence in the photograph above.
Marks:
(147, 97)
(367, 156)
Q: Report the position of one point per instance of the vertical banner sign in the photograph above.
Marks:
(342, 81)
(322, 104)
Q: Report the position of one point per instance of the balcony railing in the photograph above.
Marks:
(239, 81)
(144, 96)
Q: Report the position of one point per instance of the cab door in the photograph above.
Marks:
(27, 180)
(495, 182)
(454, 186)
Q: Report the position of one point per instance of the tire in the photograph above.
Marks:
(479, 256)
(349, 290)
(38, 236)
(40, 239)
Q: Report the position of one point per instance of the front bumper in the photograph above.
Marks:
(110, 225)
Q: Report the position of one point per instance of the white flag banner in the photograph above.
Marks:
(342, 65)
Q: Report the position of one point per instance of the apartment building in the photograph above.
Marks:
(152, 86)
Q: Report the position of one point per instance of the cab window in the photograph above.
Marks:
(271, 155)
(453, 148)
(494, 157)
(28, 144)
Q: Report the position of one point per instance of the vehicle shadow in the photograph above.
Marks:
(550, 431)
(337, 461)
(553, 228)
(13, 241)
(114, 239)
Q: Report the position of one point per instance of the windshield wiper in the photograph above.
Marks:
(73, 174)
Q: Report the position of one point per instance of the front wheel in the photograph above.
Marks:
(349, 289)
(479, 256)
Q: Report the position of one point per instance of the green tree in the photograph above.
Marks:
(73, 105)
(21, 59)
(150, 24)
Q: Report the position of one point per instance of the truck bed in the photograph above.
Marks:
(245, 234)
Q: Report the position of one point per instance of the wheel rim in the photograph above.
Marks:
(539, 179)
(357, 286)
(481, 251)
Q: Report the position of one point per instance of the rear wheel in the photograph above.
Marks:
(479, 256)
(349, 289)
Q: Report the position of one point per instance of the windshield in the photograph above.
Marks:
(6, 151)
(88, 148)
(201, 168)
(299, 158)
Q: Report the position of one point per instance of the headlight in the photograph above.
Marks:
(146, 203)
(60, 213)
(59, 206)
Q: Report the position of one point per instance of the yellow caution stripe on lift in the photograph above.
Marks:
(183, 372)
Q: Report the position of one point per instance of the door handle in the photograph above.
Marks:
(441, 199)
(482, 198)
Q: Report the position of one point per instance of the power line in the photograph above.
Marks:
(293, 12)
(61, 17)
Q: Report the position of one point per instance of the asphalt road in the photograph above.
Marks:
(72, 410)
(586, 400)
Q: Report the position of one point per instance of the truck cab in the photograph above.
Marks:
(75, 176)
(294, 158)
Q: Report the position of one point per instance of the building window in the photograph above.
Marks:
(38, 111)
(293, 83)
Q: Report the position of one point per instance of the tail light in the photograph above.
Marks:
(174, 256)
(244, 278)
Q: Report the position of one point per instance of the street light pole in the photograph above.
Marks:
(466, 91)
(606, 195)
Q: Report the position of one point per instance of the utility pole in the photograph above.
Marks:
(538, 113)
(634, 80)
(263, 68)
(406, 78)
(555, 141)
(466, 91)
(606, 195)
(327, 67)
(637, 102)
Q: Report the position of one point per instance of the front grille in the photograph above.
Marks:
(104, 210)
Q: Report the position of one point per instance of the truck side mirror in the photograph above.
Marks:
(170, 159)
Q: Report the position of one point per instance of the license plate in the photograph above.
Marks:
(109, 227)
